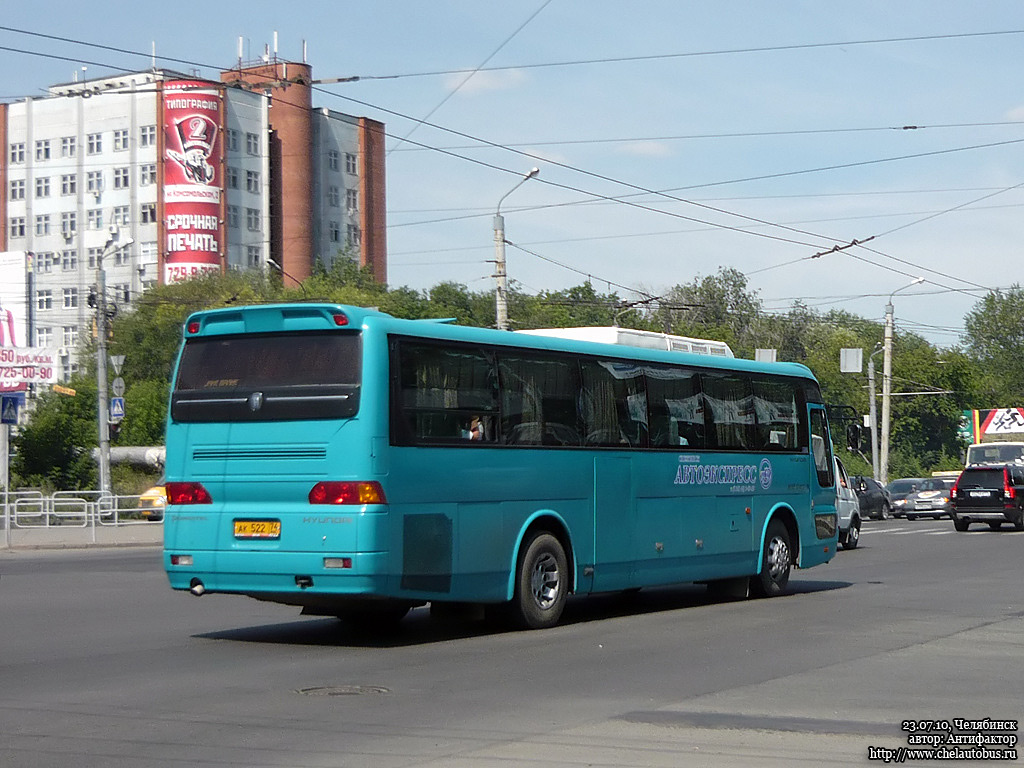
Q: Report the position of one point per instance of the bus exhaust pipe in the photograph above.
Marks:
(197, 588)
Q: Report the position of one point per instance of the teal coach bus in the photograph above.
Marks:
(356, 465)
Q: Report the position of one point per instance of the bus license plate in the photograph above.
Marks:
(257, 529)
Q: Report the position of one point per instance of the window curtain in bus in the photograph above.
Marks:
(538, 400)
(731, 407)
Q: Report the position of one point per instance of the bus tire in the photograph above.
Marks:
(776, 562)
(542, 582)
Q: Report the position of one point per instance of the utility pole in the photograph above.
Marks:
(102, 398)
(883, 461)
(872, 414)
(500, 274)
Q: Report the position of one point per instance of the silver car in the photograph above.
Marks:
(848, 509)
(931, 499)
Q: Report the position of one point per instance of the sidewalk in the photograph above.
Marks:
(68, 537)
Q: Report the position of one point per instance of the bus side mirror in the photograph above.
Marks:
(853, 437)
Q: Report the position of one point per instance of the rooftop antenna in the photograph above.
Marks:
(304, 60)
(154, 54)
(275, 44)
(239, 51)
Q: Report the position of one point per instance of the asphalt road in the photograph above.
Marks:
(101, 664)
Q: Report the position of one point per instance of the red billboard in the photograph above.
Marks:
(193, 183)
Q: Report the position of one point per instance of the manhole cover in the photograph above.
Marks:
(343, 690)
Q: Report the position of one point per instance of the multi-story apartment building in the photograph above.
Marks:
(158, 176)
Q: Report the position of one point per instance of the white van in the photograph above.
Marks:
(848, 509)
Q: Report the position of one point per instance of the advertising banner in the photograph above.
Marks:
(193, 179)
(13, 308)
(28, 365)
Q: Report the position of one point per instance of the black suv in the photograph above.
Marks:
(873, 497)
(992, 494)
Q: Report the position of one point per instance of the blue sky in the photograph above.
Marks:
(774, 131)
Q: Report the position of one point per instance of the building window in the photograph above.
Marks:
(252, 219)
(70, 336)
(43, 264)
(147, 174)
(69, 260)
(68, 223)
(147, 213)
(70, 298)
(120, 139)
(94, 218)
(43, 186)
(231, 139)
(232, 177)
(17, 189)
(121, 256)
(17, 226)
(333, 197)
(43, 225)
(350, 163)
(94, 143)
(68, 146)
(147, 136)
(252, 143)
(94, 182)
(44, 337)
(43, 149)
(332, 159)
(233, 216)
(353, 235)
(18, 152)
(252, 254)
(351, 200)
(252, 181)
(120, 178)
(334, 232)
(93, 255)
(121, 215)
(44, 300)
(69, 184)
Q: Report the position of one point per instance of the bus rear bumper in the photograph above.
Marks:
(283, 573)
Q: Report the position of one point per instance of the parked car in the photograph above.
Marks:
(848, 509)
(873, 498)
(898, 492)
(931, 499)
(990, 494)
(152, 502)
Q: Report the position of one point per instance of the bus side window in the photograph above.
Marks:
(775, 409)
(675, 406)
(440, 391)
(730, 406)
(538, 399)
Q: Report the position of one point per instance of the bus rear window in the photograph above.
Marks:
(268, 377)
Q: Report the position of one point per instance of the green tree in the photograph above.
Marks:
(994, 336)
(53, 450)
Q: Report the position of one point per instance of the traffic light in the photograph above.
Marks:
(114, 428)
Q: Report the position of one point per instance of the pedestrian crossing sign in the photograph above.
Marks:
(9, 410)
(116, 408)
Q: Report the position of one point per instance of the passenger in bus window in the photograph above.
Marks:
(476, 429)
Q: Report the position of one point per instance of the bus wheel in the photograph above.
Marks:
(777, 561)
(542, 582)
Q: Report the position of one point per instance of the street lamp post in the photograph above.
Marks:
(103, 404)
(500, 275)
(872, 413)
(883, 461)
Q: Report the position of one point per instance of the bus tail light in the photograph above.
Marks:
(187, 493)
(347, 492)
(337, 562)
(181, 560)
(340, 319)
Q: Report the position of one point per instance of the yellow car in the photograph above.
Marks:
(152, 502)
